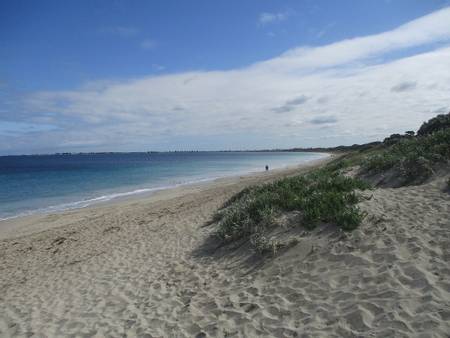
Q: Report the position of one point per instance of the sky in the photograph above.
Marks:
(81, 76)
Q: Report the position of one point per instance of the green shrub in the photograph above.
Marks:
(379, 162)
(339, 164)
(439, 122)
(350, 218)
(415, 168)
(413, 158)
(395, 138)
(321, 196)
(245, 216)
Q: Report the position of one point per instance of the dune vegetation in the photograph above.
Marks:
(321, 196)
(330, 194)
(413, 159)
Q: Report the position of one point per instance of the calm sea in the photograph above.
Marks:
(46, 183)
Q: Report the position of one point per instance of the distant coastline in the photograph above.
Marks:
(308, 149)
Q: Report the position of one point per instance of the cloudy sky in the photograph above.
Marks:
(208, 75)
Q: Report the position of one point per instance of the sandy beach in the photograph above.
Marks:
(149, 267)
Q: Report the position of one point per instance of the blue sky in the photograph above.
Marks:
(166, 75)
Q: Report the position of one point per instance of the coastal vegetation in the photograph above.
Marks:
(321, 196)
(412, 160)
(440, 122)
(330, 194)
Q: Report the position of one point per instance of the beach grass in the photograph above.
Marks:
(413, 159)
(409, 158)
(322, 196)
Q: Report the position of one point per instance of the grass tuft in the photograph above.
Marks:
(321, 196)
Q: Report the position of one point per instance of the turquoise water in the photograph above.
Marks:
(46, 183)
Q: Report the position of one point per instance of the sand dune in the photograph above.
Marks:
(149, 268)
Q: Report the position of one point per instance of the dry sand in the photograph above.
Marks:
(149, 268)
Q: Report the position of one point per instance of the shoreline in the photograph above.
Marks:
(102, 198)
(10, 226)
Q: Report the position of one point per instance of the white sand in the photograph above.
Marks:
(148, 268)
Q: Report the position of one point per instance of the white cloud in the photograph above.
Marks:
(425, 30)
(308, 96)
(266, 17)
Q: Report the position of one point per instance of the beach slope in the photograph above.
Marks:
(150, 268)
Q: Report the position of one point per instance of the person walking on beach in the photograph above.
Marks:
(267, 167)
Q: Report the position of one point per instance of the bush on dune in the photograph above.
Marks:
(395, 138)
(413, 158)
(321, 196)
(439, 122)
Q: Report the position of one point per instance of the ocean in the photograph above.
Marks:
(49, 183)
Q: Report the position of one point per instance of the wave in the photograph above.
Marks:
(103, 198)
